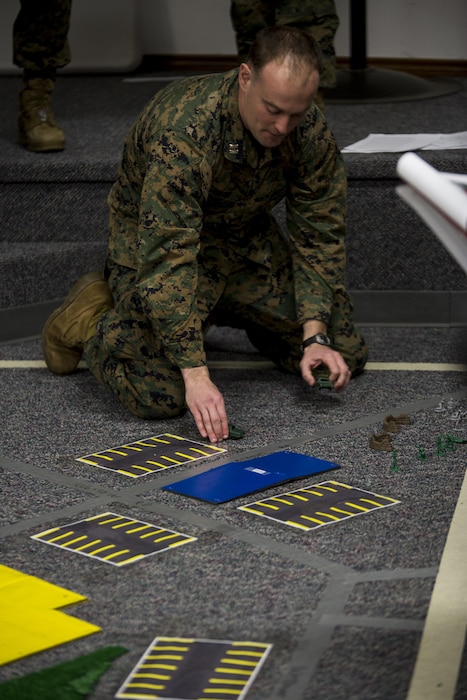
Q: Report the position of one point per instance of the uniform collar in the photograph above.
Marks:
(239, 144)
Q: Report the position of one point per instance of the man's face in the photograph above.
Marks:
(274, 101)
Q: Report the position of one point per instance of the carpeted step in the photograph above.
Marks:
(53, 214)
(42, 271)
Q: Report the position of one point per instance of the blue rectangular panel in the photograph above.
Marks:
(237, 479)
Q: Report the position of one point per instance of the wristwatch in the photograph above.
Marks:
(320, 338)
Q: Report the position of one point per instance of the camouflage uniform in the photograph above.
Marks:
(192, 242)
(315, 17)
(40, 35)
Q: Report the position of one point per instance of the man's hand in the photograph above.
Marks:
(316, 355)
(206, 403)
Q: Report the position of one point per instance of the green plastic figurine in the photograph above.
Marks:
(324, 383)
(235, 433)
(440, 449)
(421, 453)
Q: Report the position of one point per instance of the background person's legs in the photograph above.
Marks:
(40, 47)
(317, 18)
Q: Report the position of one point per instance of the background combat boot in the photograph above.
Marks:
(37, 128)
(74, 322)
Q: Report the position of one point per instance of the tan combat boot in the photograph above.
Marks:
(74, 322)
(37, 128)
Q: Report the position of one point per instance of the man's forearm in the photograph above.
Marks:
(312, 326)
(194, 373)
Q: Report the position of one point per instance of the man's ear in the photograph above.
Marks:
(244, 76)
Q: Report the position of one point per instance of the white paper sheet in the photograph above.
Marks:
(394, 143)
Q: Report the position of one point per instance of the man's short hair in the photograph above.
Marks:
(280, 42)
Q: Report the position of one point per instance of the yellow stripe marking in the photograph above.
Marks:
(387, 498)
(169, 459)
(327, 515)
(101, 549)
(174, 648)
(313, 520)
(77, 539)
(185, 539)
(100, 455)
(157, 676)
(62, 536)
(88, 544)
(253, 510)
(145, 444)
(223, 691)
(166, 537)
(237, 661)
(295, 524)
(373, 503)
(143, 469)
(46, 532)
(150, 534)
(124, 524)
(339, 510)
(238, 671)
(130, 559)
(174, 657)
(114, 519)
(116, 554)
(354, 505)
(137, 529)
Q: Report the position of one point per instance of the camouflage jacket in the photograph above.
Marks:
(188, 164)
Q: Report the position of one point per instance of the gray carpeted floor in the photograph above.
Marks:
(343, 606)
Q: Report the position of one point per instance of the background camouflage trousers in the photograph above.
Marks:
(233, 290)
(40, 35)
(315, 17)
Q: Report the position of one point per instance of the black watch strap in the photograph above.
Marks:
(320, 338)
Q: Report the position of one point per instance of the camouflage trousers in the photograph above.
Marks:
(40, 34)
(315, 17)
(233, 290)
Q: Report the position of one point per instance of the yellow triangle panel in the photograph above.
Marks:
(29, 619)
